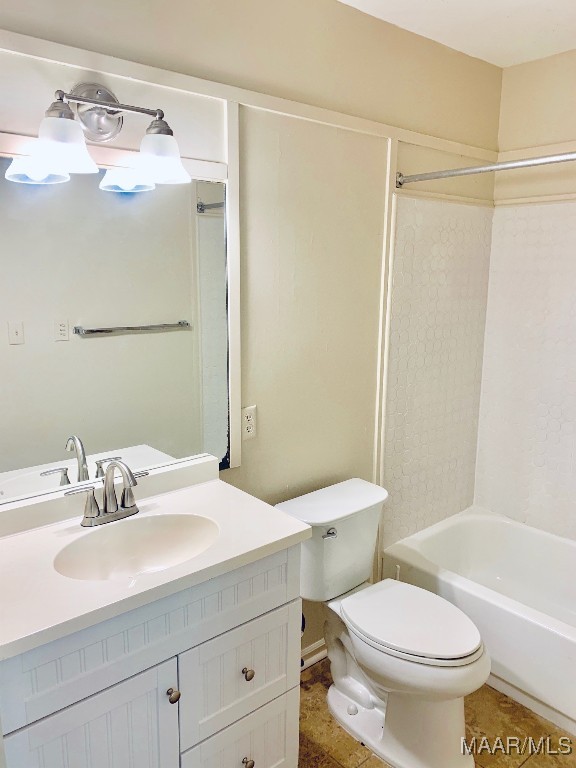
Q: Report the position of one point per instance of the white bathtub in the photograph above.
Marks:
(518, 584)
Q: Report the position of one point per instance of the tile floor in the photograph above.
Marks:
(323, 744)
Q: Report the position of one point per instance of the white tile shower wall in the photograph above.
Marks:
(438, 309)
(527, 437)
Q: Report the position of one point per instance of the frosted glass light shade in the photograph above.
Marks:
(125, 180)
(159, 160)
(62, 148)
(27, 170)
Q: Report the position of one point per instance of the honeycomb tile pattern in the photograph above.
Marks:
(527, 438)
(438, 309)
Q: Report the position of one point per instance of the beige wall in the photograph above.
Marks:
(316, 51)
(538, 110)
(311, 216)
(537, 104)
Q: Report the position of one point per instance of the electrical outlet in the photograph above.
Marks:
(249, 426)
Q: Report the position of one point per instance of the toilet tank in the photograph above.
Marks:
(344, 519)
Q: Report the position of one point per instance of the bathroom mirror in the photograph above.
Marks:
(76, 257)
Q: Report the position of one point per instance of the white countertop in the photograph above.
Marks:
(38, 604)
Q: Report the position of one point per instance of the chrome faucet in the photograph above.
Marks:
(100, 464)
(75, 444)
(110, 511)
(127, 503)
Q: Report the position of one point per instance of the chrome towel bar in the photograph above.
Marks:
(179, 326)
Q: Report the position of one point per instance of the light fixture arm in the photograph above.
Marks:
(111, 106)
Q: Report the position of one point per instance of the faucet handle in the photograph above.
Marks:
(64, 479)
(101, 462)
(128, 501)
(91, 508)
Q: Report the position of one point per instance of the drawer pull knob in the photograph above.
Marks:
(248, 675)
(248, 763)
(173, 695)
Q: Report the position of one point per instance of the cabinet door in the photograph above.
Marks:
(268, 736)
(215, 689)
(130, 724)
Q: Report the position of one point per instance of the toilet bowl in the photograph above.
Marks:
(418, 656)
(402, 659)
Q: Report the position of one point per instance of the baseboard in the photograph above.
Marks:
(313, 653)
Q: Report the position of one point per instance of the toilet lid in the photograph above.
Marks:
(411, 620)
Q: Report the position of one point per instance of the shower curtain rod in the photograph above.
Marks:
(509, 165)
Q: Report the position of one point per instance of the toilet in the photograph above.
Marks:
(402, 658)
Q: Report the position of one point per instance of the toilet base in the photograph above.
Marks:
(407, 733)
(364, 726)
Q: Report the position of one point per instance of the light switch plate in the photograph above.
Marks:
(61, 330)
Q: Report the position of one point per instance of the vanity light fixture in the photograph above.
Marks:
(27, 170)
(61, 147)
(59, 151)
(125, 180)
(159, 157)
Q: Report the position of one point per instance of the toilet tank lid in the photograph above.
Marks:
(335, 502)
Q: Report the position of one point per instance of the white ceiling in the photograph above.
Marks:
(503, 32)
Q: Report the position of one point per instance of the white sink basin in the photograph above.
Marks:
(126, 548)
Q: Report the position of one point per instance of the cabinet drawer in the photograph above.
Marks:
(130, 724)
(268, 736)
(215, 691)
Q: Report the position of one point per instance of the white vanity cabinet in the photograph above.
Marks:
(268, 736)
(130, 724)
(237, 672)
(98, 698)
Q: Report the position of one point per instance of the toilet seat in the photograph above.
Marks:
(424, 660)
(411, 623)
